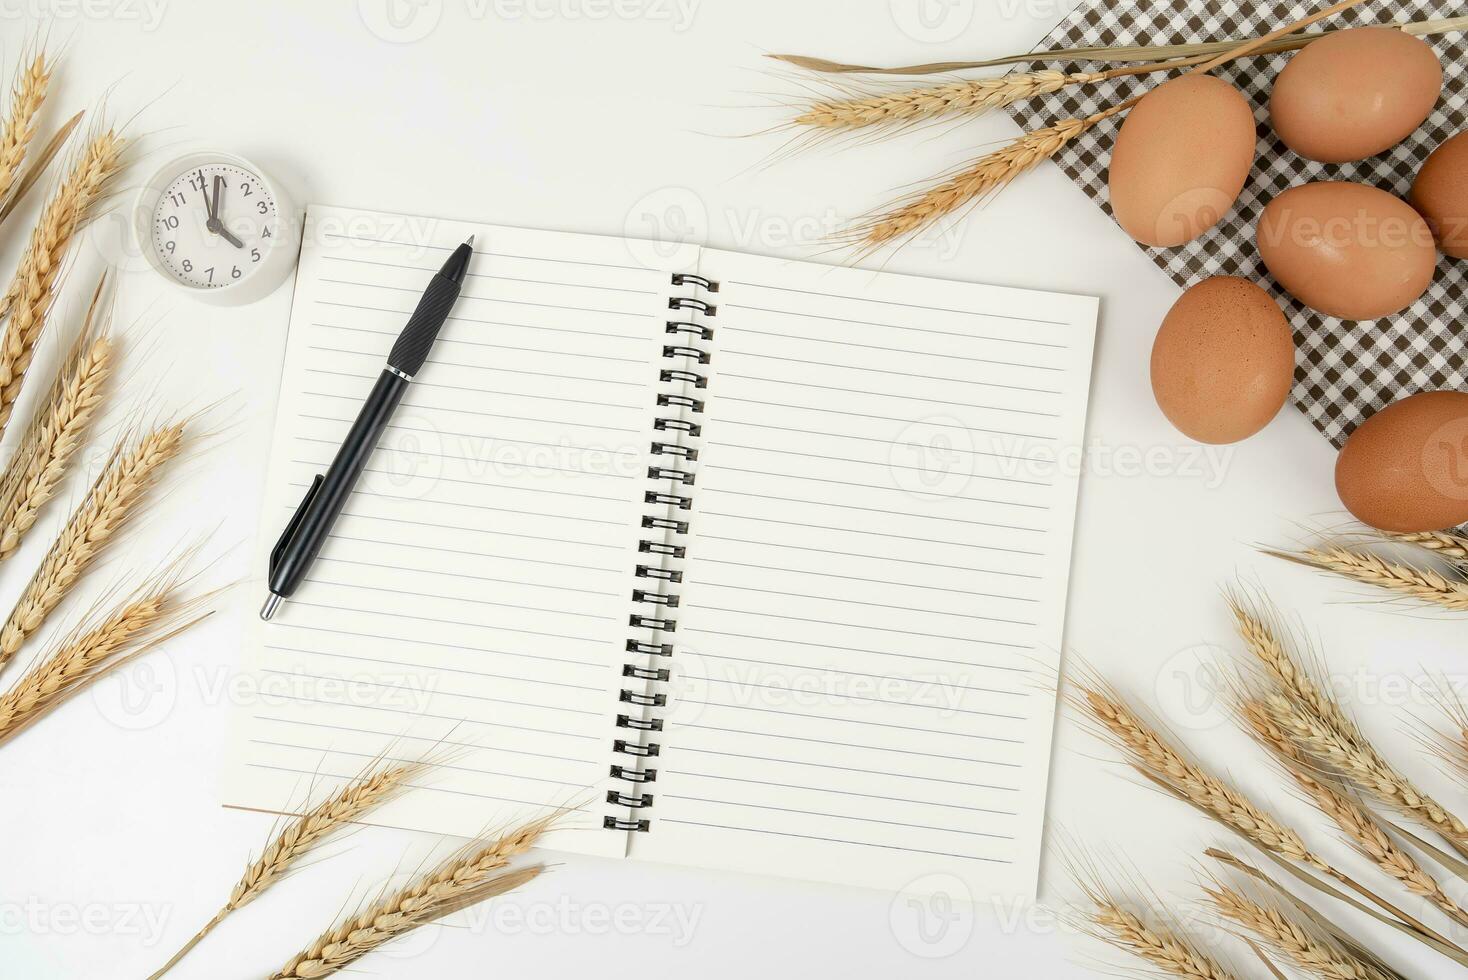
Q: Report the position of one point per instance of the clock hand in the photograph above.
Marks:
(208, 208)
(214, 224)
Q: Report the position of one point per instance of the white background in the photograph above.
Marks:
(614, 118)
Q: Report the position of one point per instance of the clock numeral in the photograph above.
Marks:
(198, 184)
(171, 222)
(254, 255)
(178, 199)
(235, 272)
(246, 186)
(262, 207)
(169, 246)
(210, 273)
(266, 232)
(188, 266)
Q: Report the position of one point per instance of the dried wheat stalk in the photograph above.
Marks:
(1309, 950)
(937, 101)
(1163, 944)
(56, 431)
(26, 301)
(1360, 828)
(1148, 52)
(152, 615)
(1420, 584)
(988, 175)
(1317, 724)
(37, 166)
(464, 880)
(1169, 951)
(995, 171)
(1363, 767)
(1185, 779)
(19, 127)
(1444, 544)
(130, 472)
(300, 836)
(1263, 637)
(1169, 769)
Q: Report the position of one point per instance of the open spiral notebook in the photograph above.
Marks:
(766, 560)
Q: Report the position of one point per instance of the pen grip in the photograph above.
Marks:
(413, 344)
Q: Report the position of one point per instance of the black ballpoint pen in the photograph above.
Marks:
(318, 510)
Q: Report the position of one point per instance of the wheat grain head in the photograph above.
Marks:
(1305, 947)
(19, 128)
(56, 431)
(28, 298)
(463, 880)
(115, 497)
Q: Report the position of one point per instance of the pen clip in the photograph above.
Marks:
(295, 522)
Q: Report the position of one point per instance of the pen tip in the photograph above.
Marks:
(470, 242)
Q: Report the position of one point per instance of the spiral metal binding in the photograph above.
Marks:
(672, 473)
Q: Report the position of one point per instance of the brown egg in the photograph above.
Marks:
(1355, 93)
(1347, 250)
(1181, 159)
(1223, 360)
(1441, 195)
(1406, 467)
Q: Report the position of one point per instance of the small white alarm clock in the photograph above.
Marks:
(218, 227)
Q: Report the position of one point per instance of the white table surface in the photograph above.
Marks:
(606, 116)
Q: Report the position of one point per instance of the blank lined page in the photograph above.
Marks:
(473, 597)
(870, 622)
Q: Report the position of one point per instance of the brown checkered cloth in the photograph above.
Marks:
(1345, 371)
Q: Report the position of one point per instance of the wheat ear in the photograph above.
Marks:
(1171, 952)
(1421, 584)
(936, 101)
(987, 175)
(154, 613)
(1319, 726)
(1154, 757)
(1360, 828)
(992, 173)
(1442, 543)
(55, 433)
(1122, 53)
(465, 879)
(1310, 951)
(114, 498)
(26, 301)
(1362, 766)
(1263, 636)
(19, 127)
(300, 836)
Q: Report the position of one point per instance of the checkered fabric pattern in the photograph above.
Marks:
(1344, 371)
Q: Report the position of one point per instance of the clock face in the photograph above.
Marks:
(214, 226)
